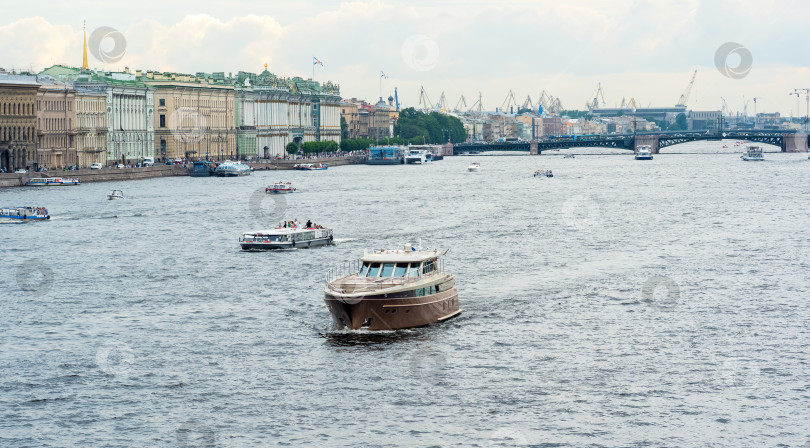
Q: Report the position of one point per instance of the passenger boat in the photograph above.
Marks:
(23, 214)
(202, 168)
(644, 153)
(416, 156)
(280, 188)
(474, 167)
(293, 237)
(753, 154)
(543, 173)
(232, 169)
(391, 290)
(386, 155)
(311, 166)
(115, 194)
(52, 181)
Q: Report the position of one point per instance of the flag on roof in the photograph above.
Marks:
(316, 61)
(383, 75)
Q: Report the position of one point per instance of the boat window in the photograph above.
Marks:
(419, 292)
(401, 270)
(414, 270)
(374, 270)
(364, 270)
(387, 269)
(428, 267)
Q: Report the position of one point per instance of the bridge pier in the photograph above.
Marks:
(651, 140)
(794, 142)
(447, 149)
(533, 148)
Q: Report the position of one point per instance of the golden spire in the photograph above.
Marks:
(265, 67)
(84, 56)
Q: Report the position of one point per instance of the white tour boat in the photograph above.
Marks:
(115, 194)
(229, 168)
(644, 152)
(280, 188)
(52, 181)
(753, 154)
(416, 156)
(543, 173)
(291, 237)
(474, 167)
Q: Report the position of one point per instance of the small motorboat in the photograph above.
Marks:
(23, 214)
(311, 166)
(568, 156)
(543, 173)
(474, 167)
(115, 194)
(280, 188)
(643, 152)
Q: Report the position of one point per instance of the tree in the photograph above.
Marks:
(292, 148)
(435, 128)
(680, 123)
(344, 129)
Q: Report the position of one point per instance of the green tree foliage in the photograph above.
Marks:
(417, 127)
(320, 147)
(680, 123)
(344, 129)
(358, 144)
(291, 148)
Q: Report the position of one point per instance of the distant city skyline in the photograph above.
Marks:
(642, 50)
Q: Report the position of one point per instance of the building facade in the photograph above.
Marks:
(56, 119)
(349, 113)
(18, 120)
(91, 126)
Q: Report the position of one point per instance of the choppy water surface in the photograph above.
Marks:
(620, 303)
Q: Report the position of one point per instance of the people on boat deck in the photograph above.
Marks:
(309, 223)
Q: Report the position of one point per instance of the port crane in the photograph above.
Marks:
(424, 101)
(685, 95)
(508, 102)
(462, 102)
(594, 104)
(442, 106)
(806, 92)
(477, 107)
(528, 103)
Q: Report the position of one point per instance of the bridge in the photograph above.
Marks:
(789, 141)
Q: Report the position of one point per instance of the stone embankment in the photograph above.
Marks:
(102, 175)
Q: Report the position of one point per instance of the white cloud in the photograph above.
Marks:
(640, 49)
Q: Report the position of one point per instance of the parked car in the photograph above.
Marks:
(20, 171)
(120, 165)
(96, 166)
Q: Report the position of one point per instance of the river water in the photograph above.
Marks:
(620, 303)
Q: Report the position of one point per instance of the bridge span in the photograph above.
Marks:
(789, 141)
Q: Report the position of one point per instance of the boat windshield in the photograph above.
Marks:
(401, 270)
(374, 270)
(414, 270)
(387, 269)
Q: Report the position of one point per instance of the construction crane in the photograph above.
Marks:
(528, 103)
(462, 102)
(594, 104)
(424, 101)
(632, 104)
(478, 106)
(685, 95)
(442, 106)
(508, 102)
(396, 98)
(807, 114)
(723, 106)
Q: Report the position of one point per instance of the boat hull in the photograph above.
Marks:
(270, 190)
(384, 162)
(280, 245)
(23, 219)
(752, 159)
(644, 158)
(378, 312)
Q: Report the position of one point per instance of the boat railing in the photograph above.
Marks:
(353, 267)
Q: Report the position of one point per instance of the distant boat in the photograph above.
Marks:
(202, 168)
(311, 166)
(286, 238)
(543, 173)
(753, 154)
(280, 188)
(52, 181)
(474, 167)
(644, 153)
(386, 155)
(416, 156)
(115, 194)
(232, 169)
(568, 156)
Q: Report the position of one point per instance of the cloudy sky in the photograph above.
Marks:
(645, 50)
